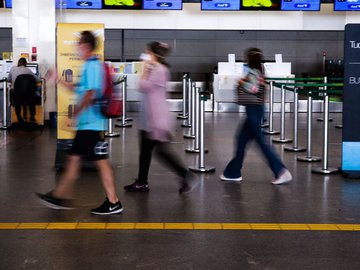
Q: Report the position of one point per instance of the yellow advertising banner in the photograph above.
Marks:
(69, 69)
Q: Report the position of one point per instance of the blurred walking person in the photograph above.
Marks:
(251, 94)
(156, 124)
(89, 139)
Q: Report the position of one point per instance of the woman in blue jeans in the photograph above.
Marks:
(252, 96)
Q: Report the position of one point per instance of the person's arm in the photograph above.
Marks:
(154, 78)
(86, 101)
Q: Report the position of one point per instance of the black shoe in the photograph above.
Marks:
(54, 203)
(108, 208)
(32, 119)
(137, 187)
(189, 183)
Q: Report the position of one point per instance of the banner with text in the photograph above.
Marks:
(69, 68)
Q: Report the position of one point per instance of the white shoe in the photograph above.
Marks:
(284, 177)
(223, 178)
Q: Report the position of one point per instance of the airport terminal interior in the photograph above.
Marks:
(310, 58)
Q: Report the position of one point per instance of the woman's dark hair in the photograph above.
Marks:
(254, 58)
(22, 62)
(161, 50)
(88, 37)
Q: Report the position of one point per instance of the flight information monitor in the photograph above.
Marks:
(123, 4)
(347, 5)
(260, 4)
(8, 3)
(220, 4)
(76, 4)
(293, 5)
(162, 5)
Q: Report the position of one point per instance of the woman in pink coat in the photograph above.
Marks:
(156, 123)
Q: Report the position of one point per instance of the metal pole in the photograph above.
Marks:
(309, 157)
(5, 105)
(320, 119)
(282, 124)
(325, 169)
(271, 130)
(110, 132)
(187, 122)
(295, 147)
(124, 90)
(191, 135)
(184, 114)
(196, 147)
(201, 166)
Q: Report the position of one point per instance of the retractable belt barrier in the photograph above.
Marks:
(5, 104)
(271, 81)
(314, 90)
(124, 119)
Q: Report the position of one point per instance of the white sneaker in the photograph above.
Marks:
(284, 177)
(223, 178)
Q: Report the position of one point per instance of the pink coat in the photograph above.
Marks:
(156, 116)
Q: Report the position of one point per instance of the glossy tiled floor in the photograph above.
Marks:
(31, 242)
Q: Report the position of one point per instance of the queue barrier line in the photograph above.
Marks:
(178, 226)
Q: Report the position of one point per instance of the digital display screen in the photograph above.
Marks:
(8, 3)
(122, 4)
(347, 5)
(76, 4)
(162, 5)
(33, 68)
(220, 4)
(311, 5)
(260, 5)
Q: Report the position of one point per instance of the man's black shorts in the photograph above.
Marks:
(90, 145)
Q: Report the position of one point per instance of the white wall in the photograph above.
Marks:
(33, 25)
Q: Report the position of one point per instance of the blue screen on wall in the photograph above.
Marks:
(220, 4)
(76, 4)
(8, 3)
(311, 5)
(162, 5)
(346, 5)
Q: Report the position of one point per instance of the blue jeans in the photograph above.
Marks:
(252, 130)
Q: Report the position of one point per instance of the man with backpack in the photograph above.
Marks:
(89, 139)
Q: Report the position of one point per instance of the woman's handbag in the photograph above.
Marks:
(245, 97)
(250, 90)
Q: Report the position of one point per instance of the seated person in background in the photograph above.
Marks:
(15, 71)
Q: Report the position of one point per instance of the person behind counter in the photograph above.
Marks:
(15, 71)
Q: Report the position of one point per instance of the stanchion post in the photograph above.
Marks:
(191, 134)
(271, 130)
(184, 114)
(282, 138)
(201, 166)
(309, 157)
(325, 169)
(196, 147)
(110, 132)
(124, 96)
(320, 119)
(5, 105)
(187, 122)
(295, 147)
